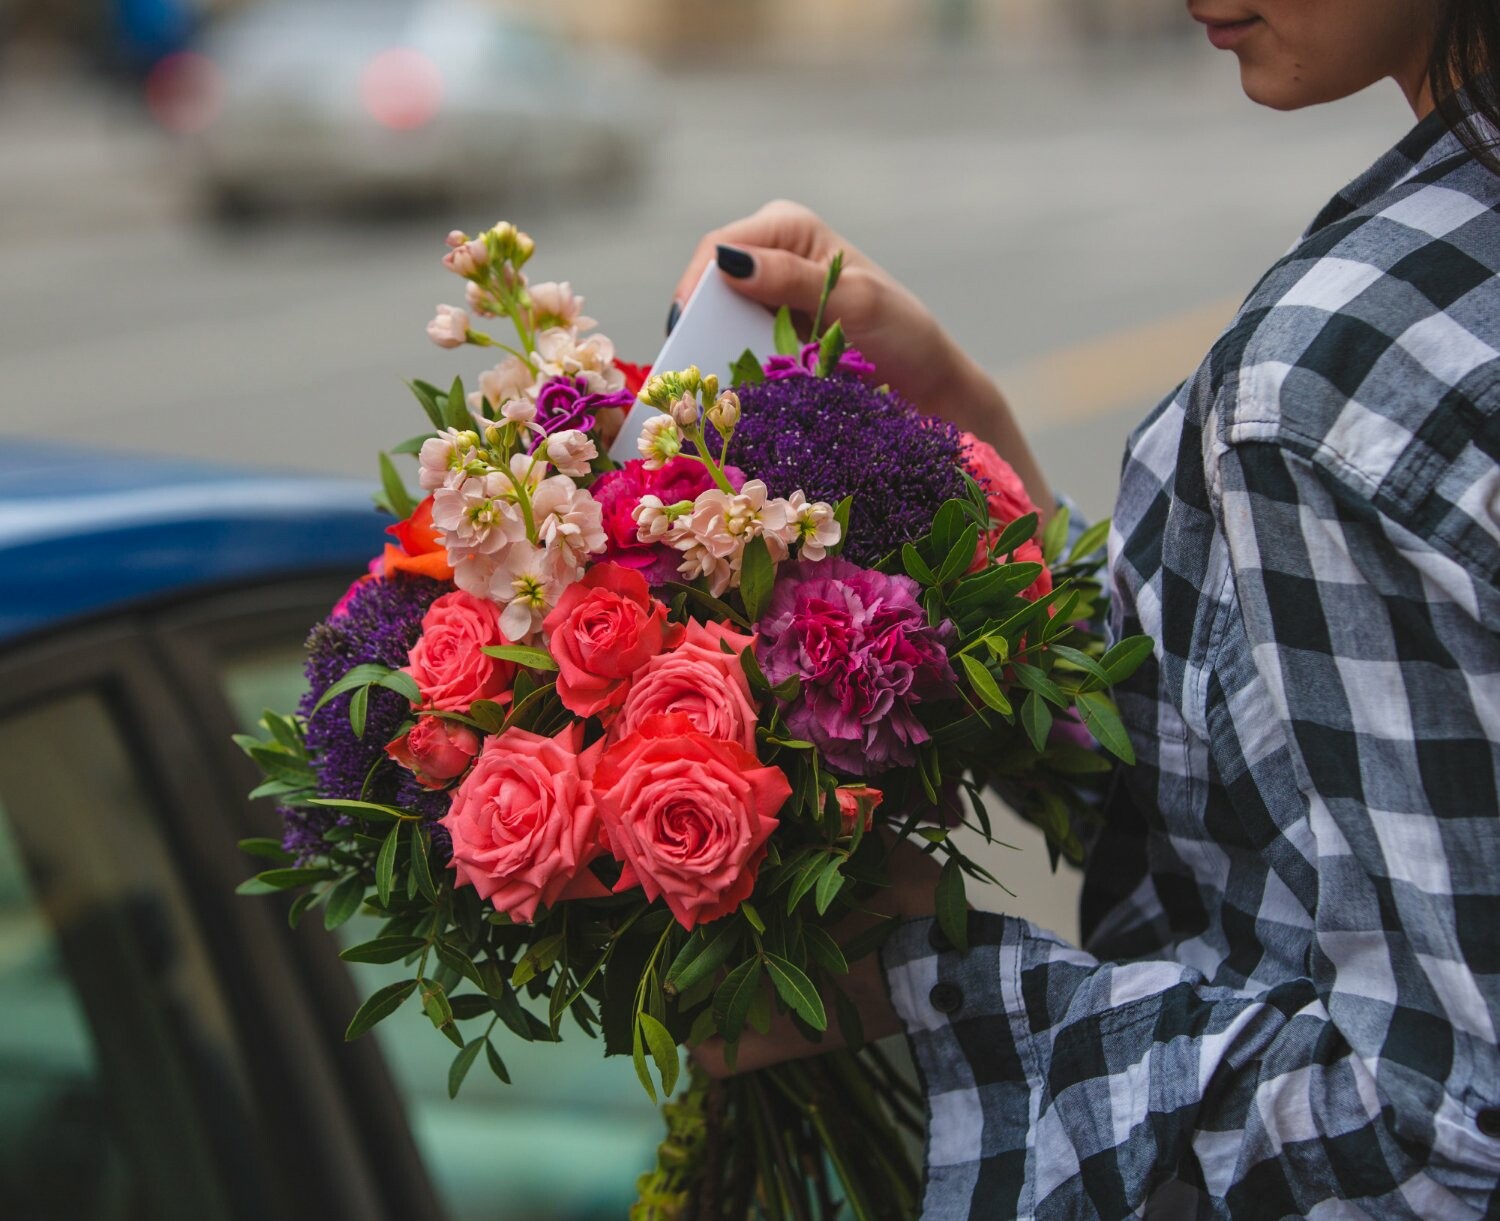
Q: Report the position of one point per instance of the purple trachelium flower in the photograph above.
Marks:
(832, 437)
(861, 644)
(565, 402)
(379, 622)
(805, 363)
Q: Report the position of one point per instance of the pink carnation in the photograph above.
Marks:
(860, 642)
(1008, 501)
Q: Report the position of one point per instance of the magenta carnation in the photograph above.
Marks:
(805, 363)
(619, 491)
(861, 644)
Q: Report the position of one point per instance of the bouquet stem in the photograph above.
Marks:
(805, 1141)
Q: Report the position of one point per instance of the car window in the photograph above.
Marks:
(123, 1095)
(564, 1142)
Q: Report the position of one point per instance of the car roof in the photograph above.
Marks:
(84, 531)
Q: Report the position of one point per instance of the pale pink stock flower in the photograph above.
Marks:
(685, 412)
(443, 458)
(521, 411)
(571, 451)
(557, 305)
(812, 524)
(508, 380)
(455, 238)
(653, 522)
(528, 583)
(659, 441)
(466, 258)
(525, 472)
(450, 328)
(712, 537)
(569, 523)
(476, 516)
(480, 301)
(561, 353)
(474, 572)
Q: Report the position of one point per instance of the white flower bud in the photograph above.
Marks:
(724, 415)
(685, 413)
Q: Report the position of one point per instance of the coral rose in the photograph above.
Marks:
(524, 824)
(699, 680)
(602, 630)
(688, 816)
(436, 751)
(446, 662)
(1008, 502)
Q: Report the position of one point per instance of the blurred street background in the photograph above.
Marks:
(221, 223)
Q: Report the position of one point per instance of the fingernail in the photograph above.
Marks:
(735, 262)
(673, 315)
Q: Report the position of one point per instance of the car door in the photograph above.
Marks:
(167, 1049)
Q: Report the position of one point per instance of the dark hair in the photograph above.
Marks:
(1466, 55)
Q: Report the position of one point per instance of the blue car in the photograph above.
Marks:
(167, 1048)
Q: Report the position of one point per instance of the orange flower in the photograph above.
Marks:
(420, 553)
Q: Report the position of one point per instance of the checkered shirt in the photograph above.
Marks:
(1288, 998)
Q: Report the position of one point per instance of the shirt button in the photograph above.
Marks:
(938, 939)
(949, 998)
(1488, 1121)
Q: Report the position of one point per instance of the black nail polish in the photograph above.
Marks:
(673, 315)
(735, 262)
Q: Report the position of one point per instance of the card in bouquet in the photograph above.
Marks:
(716, 326)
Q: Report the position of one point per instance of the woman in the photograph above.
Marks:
(1289, 989)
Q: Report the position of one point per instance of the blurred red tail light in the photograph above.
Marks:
(185, 92)
(401, 89)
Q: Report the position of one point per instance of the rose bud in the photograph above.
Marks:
(857, 801)
(435, 750)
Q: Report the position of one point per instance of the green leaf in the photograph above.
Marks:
(1123, 660)
(403, 683)
(916, 567)
(383, 949)
(344, 901)
(385, 866)
(830, 348)
(1018, 532)
(359, 704)
(1036, 717)
(733, 997)
(752, 915)
(1083, 661)
(870, 940)
(299, 906)
(396, 494)
(428, 397)
(746, 371)
(458, 962)
(379, 1006)
(536, 659)
(462, 1063)
(439, 1011)
(841, 513)
(413, 445)
(952, 908)
(947, 525)
(285, 879)
(1055, 535)
(759, 683)
(702, 956)
(984, 684)
(538, 959)
(830, 282)
(1075, 760)
(785, 334)
(960, 556)
(270, 849)
(994, 585)
(1036, 680)
(830, 883)
(357, 677)
(757, 576)
(489, 715)
(825, 949)
(638, 1057)
(370, 811)
(1103, 721)
(1089, 541)
(663, 1051)
(497, 1065)
(456, 413)
(420, 867)
(797, 991)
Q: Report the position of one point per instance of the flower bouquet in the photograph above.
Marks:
(629, 743)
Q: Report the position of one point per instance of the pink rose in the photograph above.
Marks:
(602, 630)
(688, 816)
(857, 803)
(435, 750)
(699, 680)
(1008, 501)
(524, 824)
(446, 662)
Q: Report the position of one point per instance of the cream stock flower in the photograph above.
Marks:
(510, 379)
(450, 328)
(569, 523)
(659, 441)
(812, 524)
(557, 305)
(477, 516)
(444, 458)
(571, 451)
(561, 353)
(527, 581)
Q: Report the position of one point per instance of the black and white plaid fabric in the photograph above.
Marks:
(1290, 993)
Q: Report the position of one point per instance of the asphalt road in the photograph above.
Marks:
(1084, 224)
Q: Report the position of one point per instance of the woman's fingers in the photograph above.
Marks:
(773, 277)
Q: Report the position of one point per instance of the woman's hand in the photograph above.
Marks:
(911, 895)
(780, 255)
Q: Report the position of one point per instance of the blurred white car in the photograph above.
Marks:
(316, 99)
